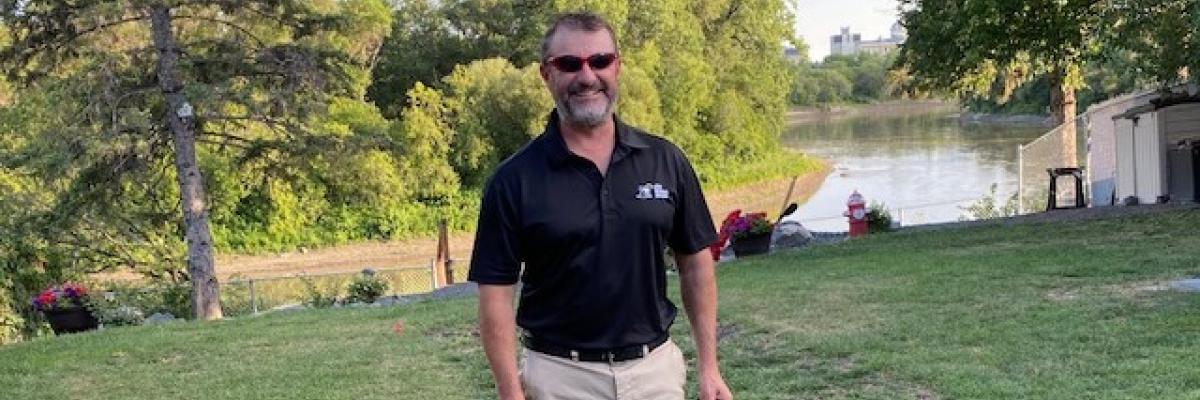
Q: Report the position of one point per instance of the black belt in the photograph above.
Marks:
(612, 355)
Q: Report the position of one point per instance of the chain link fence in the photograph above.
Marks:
(1043, 153)
(244, 296)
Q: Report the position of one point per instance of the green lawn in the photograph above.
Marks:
(1033, 311)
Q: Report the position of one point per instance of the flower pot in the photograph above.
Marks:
(70, 320)
(752, 245)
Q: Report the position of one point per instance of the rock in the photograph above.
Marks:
(1187, 285)
(160, 318)
(789, 234)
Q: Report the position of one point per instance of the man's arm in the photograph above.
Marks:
(497, 329)
(698, 284)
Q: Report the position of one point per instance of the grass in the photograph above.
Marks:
(1070, 311)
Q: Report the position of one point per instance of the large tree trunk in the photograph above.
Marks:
(1062, 110)
(205, 291)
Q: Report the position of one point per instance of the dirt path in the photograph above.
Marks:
(417, 253)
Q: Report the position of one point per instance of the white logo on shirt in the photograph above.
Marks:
(648, 191)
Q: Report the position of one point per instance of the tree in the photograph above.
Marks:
(965, 46)
(144, 82)
(429, 39)
(1163, 34)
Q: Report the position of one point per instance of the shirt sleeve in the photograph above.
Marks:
(693, 227)
(496, 257)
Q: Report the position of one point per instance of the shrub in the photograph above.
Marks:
(314, 297)
(366, 288)
(879, 219)
(162, 297)
(113, 313)
(10, 320)
(989, 206)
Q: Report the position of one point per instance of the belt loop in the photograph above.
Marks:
(574, 355)
(645, 350)
(611, 356)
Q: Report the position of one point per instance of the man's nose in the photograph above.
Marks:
(586, 74)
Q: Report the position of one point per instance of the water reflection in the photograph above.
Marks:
(922, 166)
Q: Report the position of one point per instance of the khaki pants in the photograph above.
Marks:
(661, 375)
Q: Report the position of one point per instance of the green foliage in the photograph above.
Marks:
(965, 46)
(11, 322)
(984, 51)
(879, 219)
(708, 75)
(1111, 75)
(1163, 34)
(314, 297)
(111, 313)
(497, 108)
(366, 288)
(990, 207)
(860, 78)
(430, 39)
(332, 121)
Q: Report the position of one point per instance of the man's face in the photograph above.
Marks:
(584, 97)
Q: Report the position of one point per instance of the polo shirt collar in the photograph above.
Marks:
(557, 149)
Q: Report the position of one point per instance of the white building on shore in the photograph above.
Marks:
(848, 43)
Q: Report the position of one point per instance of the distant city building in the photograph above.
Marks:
(851, 43)
(792, 54)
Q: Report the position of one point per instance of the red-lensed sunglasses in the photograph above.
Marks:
(570, 64)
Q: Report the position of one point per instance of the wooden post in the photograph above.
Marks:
(443, 254)
(788, 198)
(253, 299)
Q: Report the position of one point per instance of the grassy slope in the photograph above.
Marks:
(1035, 311)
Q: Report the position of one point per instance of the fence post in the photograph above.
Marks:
(433, 276)
(1020, 179)
(443, 254)
(253, 299)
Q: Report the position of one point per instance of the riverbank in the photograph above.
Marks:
(802, 115)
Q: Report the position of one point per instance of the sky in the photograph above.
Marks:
(817, 20)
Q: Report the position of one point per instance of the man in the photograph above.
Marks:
(588, 207)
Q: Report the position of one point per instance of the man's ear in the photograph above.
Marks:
(544, 72)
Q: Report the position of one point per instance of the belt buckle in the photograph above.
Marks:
(574, 355)
(612, 356)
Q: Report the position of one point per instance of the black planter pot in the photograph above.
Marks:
(71, 320)
(752, 245)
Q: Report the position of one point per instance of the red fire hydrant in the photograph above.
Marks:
(856, 211)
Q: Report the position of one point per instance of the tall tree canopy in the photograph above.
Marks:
(119, 92)
(965, 46)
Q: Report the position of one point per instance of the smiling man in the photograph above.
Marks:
(587, 208)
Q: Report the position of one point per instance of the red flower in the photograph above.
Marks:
(723, 234)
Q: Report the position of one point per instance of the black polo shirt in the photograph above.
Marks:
(592, 244)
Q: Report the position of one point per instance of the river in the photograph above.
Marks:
(921, 163)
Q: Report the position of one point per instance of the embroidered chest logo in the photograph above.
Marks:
(649, 191)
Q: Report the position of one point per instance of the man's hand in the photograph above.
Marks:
(712, 387)
(698, 284)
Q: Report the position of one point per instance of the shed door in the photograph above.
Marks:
(1126, 171)
(1149, 162)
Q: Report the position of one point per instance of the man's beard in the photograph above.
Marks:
(588, 114)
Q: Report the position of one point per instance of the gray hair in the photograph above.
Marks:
(582, 21)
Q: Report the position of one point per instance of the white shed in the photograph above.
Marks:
(1157, 150)
(1102, 144)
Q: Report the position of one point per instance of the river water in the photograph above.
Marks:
(923, 165)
